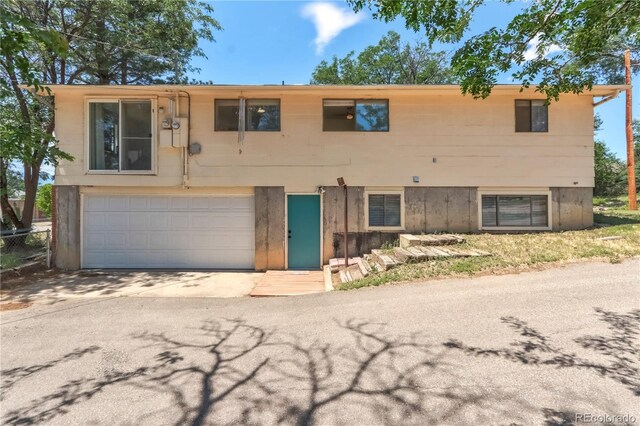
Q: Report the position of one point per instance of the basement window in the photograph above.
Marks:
(261, 115)
(515, 211)
(385, 210)
(120, 136)
(532, 116)
(349, 115)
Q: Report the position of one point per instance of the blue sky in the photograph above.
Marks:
(267, 42)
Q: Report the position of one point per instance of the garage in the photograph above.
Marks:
(168, 232)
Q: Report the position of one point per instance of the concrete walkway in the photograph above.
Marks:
(95, 284)
(530, 349)
(289, 283)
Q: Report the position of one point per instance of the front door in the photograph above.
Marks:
(303, 218)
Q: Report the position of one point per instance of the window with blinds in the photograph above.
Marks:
(515, 210)
(385, 210)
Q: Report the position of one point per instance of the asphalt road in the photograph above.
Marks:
(535, 348)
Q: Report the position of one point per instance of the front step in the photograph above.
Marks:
(410, 240)
(384, 259)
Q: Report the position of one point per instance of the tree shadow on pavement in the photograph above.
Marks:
(230, 372)
(12, 376)
(617, 355)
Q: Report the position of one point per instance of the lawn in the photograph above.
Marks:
(522, 252)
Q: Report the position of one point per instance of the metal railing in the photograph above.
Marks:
(21, 247)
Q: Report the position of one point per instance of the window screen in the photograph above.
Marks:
(136, 135)
(260, 115)
(104, 138)
(120, 136)
(531, 116)
(384, 210)
(514, 210)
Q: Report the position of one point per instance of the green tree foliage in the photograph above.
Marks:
(83, 41)
(44, 199)
(26, 119)
(389, 62)
(564, 46)
(610, 172)
(15, 182)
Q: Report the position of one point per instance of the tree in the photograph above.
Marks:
(389, 62)
(44, 199)
(26, 124)
(83, 41)
(560, 45)
(610, 172)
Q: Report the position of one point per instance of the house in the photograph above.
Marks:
(245, 177)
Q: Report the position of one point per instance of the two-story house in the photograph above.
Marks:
(245, 177)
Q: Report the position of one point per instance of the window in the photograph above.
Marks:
(515, 211)
(384, 210)
(120, 136)
(346, 115)
(532, 116)
(261, 115)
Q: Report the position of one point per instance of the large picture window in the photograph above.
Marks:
(261, 115)
(384, 210)
(515, 211)
(348, 115)
(120, 136)
(532, 116)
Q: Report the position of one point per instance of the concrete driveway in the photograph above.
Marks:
(47, 287)
(530, 349)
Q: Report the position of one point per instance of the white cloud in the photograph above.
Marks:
(532, 49)
(329, 20)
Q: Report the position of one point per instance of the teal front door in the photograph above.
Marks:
(303, 233)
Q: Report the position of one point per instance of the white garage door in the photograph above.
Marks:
(134, 231)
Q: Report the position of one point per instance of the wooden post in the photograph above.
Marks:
(346, 227)
(631, 168)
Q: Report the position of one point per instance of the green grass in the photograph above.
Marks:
(8, 261)
(513, 253)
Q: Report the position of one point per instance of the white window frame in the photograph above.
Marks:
(368, 192)
(87, 133)
(515, 193)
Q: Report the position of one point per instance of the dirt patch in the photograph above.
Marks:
(14, 306)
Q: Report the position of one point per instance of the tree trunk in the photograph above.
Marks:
(7, 209)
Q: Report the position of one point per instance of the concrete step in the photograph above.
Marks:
(419, 254)
(404, 255)
(365, 269)
(338, 263)
(351, 273)
(384, 259)
(410, 240)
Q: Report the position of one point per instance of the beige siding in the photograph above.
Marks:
(473, 143)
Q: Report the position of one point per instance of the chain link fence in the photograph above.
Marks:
(21, 247)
